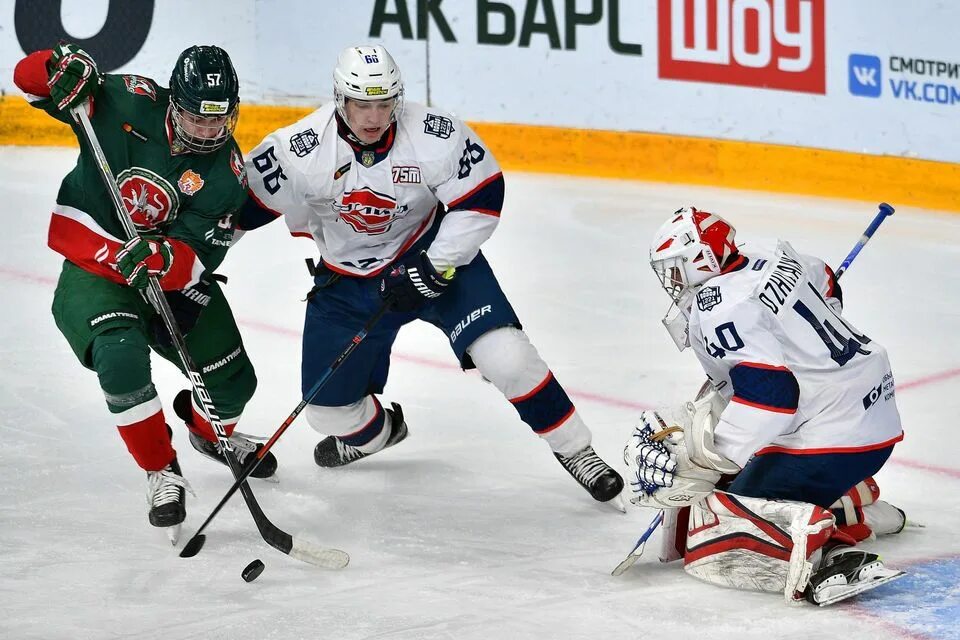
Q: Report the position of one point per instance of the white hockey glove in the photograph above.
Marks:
(695, 466)
(650, 465)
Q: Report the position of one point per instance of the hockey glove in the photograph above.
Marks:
(410, 284)
(139, 258)
(186, 305)
(73, 76)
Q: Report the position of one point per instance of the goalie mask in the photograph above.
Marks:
(367, 74)
(689, 249)
(204, 99)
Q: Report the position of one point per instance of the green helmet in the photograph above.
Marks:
(204, 98)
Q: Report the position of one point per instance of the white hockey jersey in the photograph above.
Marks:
(365, 206)
(797, 377)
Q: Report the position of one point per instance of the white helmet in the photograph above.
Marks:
(689, 249)
(367, 73)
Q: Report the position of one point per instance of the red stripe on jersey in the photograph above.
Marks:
(487, 212)
(453, 205)
(82, 246)
(764, 407)
(760, 365)
(31, 75)
(734, 265)
(823, 450)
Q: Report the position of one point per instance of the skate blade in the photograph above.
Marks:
(173, 534)
(842, 592)
(274, 479)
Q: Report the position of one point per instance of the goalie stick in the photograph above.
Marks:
(274, 536)
(885, 210)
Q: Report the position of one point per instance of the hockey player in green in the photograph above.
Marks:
(181, 176)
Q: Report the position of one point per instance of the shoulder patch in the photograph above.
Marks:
(304, 142)
(236, 165)
(439, 126)
(140, 86)
(708, 298)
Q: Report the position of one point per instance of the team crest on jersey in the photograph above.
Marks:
(367, 211)
(304, 142)
(140, 86)
(406, 175)
(367, 158)
(236, 165)
(708, 298)
(149, 198)
(190, 182)
(439, 126)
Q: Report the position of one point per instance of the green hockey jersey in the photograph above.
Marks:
(188, 198)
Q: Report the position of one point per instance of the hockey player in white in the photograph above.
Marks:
(399, 198)
(766, 477)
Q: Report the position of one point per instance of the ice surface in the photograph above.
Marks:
(470, 528)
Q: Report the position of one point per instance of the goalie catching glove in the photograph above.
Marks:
(671, 457)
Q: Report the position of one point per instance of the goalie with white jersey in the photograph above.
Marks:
(399, 197)
(798, 415)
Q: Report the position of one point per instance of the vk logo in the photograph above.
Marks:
(865, 75)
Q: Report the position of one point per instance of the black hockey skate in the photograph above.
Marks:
(243, 445)
(332, 452)
(166, 496)
(846, 573)
(593, 474)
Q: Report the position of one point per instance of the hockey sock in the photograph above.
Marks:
(506, 358)
(147, 439)
(372, 435)
(199, 425)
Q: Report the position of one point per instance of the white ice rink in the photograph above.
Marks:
(469, 529)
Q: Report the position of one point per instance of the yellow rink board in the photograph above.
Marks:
(626, 155)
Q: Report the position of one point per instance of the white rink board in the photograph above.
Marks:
(284, 52)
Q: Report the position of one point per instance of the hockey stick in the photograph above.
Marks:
(885, 211)
(195, 543)
(637, 550)
(274, 536)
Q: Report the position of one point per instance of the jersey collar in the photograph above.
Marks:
(367, 154)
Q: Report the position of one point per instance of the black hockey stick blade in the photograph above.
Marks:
(193, 546)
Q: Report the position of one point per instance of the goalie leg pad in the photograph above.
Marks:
(756, 544)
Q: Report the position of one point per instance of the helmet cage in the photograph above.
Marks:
(683, 257)
(202, 133)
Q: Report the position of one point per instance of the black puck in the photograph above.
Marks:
(253, 570)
